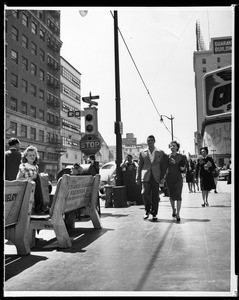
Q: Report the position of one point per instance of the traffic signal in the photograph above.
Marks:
(91, 120)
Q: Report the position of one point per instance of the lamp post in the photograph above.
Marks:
(118, 123)
(171, 119)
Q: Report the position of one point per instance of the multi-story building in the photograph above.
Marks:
(32, 83)
(129, 146)
(71, 114)
(218, 56)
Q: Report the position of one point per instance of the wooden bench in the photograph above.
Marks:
(19, 198)
(72, 192)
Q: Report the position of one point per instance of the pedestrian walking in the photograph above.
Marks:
(12, 159)
(215, 173)
(151, 170)
(174, 179)
(229, 167)
(95, 164)
(190, 170)
(28, 169)
(204, 169)
(129, 168)
(195, 180)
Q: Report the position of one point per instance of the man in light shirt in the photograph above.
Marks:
(151, 170)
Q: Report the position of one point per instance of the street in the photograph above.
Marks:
(132, 256)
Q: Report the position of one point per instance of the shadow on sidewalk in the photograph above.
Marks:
(15, 264)
(105, 215)
(80, 238)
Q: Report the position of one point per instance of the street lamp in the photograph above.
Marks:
(171, 119)
(118, 123)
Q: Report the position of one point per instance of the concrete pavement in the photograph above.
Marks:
(134, 257)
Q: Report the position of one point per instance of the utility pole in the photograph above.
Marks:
(118, 123)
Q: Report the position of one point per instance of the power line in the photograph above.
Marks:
(141, 77)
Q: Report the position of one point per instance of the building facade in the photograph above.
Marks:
(32, 82)
(218, 56)
(71, 114)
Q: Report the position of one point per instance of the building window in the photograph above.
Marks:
(41, 75)
(204, 70)
(41, 135)
(24, 86)
(68, 75)
(16, 13)
(14, 56)
(33, 133)
(24, 63)
(13, 104)
(24, 41)
(24, 20)
(42, 35)
(41, 95)
(24, 131)
(41, 115)
(14, 34)
(24, 108)
(13, 127)
(14, 80)
(34, 28)
(42, 55)
(33, 111)
(34, 48)
(70, 93)
(204, 61)
(33, 69)
(33, 90)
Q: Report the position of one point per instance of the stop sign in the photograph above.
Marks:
(90, 144)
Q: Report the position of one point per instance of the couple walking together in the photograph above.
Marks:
(156, 166)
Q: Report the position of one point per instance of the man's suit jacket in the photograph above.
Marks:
(158, 167)
(12, 162)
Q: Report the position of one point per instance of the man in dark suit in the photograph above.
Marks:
(12, 159)
(151, 170)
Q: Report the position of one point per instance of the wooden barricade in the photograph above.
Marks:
(72, 192)
(19, 197)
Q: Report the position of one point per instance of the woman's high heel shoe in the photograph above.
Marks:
(174, 214)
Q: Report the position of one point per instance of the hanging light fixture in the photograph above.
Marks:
(83, 13)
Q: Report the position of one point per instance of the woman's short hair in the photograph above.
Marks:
(204, 148)
(174, 142)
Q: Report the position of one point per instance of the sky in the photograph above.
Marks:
(161, 42)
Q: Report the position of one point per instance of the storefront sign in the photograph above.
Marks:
(223, 45)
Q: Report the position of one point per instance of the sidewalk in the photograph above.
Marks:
(132, 256)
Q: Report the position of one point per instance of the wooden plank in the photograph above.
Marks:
(94, 215)
(79, 192)
(14, 192)
(22, 227)
(72, 192)
(18, 233)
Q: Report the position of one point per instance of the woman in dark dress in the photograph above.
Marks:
(204, 169)
(174, 179)
(190, 169)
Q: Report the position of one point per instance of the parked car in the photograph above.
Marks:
(223, 174)
(107, 173)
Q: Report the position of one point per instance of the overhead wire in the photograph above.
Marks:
(142, 79)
